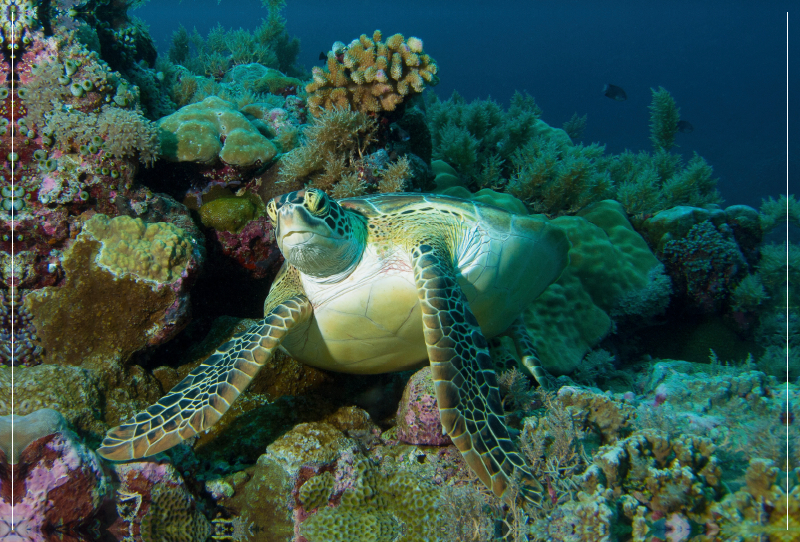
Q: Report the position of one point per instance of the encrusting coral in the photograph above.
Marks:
(157, 253)
(381, 508)
(370, 75)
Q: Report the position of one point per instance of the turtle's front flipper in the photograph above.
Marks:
(465, 382)
(200, 399)
(527, 353)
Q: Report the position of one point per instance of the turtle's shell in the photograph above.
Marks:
(371, 322)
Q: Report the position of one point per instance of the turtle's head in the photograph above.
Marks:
(315, 234)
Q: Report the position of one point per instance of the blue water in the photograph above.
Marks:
(724, 63)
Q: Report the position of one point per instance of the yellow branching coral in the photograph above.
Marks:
(371, 75)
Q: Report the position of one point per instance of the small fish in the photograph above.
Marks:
(323, 56)
(615, 93)
(685, 127)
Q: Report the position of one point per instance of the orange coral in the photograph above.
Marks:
(371, 75)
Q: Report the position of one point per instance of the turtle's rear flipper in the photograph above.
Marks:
(200, 399)
(464, 378)
(527, 353)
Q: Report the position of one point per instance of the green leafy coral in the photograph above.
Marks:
(479, 135)
(515, 151)
(554, 179)
(664, 117)
(332, 157)
(269, 44)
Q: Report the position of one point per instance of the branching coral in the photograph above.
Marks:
(773, 212)
(371, 75)
(556, 179)
(575, 126)
(478, 138)
(647, 183)
(664, 117)
(269, 44)
(334, 157)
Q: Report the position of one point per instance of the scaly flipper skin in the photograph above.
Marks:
(464, 378)
(200, 399)
(527, 353)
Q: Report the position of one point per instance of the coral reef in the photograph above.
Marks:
(763, 508)
(60, 486)
(20, 345)
(370, 75)
(153, 504)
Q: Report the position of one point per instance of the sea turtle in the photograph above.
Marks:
(378, 284)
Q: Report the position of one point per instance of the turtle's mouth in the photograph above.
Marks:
(300, 237)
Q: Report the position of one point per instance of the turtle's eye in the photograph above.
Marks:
(316, 201)
(272, 211)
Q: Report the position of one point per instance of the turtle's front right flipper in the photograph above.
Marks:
(200, 399)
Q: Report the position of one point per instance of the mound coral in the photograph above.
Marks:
(156, 253)
(609, 261)
(371, 75)
(214, 129)
(227, 214)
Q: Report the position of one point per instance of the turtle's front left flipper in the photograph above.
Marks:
(464, 378)
(200, 399)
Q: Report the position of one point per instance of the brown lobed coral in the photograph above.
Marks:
(371, 75)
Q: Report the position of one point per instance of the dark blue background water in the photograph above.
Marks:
(723, 61)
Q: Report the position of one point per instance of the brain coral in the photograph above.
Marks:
(156, 252)
(214, 129)
(371, 75)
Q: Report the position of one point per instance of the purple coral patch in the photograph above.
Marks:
(418, 414)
